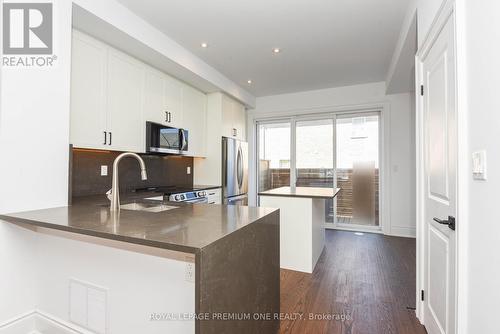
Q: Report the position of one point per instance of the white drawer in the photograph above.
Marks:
(214, 196)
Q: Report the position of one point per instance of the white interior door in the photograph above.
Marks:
(440, 191)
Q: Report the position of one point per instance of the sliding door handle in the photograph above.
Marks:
(450, 222)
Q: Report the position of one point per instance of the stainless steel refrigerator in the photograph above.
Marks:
(234, 171)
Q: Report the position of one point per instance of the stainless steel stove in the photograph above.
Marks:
(180, 194)
(189, 197)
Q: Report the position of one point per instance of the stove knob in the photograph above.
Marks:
(201, 193)
(177, 197)
(183, 197)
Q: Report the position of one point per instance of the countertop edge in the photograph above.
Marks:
(103, 235)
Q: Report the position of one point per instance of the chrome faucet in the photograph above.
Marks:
(114, 192)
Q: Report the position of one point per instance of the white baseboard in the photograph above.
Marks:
(24, 323)
(407, 232)
(354, 229)
(38, 322)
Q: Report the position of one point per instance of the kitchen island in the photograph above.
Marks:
(302, 223)
(234, 251)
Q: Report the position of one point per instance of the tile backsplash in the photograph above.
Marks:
(86, 176)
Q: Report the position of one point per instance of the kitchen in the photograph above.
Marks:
(243, 167)
(122, 107)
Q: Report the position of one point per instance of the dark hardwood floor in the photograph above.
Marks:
(368, 279)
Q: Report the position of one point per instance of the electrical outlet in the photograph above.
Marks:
(189, 275)
(188, 170)
(104, 170)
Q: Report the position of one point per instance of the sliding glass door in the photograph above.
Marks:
(274, 153)
(314, 157)
(357, 169)
(335, 150)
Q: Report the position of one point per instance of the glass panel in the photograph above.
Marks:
(314, 151)
(358, 170)
(274, 155)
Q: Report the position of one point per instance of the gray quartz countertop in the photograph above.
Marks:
(308, 192)
(187, 228)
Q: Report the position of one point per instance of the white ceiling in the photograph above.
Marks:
(324, 43)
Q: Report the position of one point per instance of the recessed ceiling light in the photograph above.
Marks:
(204, 45)
(276, 50)
(249, 82)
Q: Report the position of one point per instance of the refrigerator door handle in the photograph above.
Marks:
(239, 168)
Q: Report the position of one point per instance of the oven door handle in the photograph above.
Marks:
(197, 200)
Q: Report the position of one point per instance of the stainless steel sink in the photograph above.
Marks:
(148, 207)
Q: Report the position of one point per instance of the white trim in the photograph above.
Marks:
(403, 231)
(462, 169)
(354, 228)
(447, 9)
(36, 320)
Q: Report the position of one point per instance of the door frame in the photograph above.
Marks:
(447, 11)
(384, 110)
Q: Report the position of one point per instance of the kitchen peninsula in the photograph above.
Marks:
(234, 250)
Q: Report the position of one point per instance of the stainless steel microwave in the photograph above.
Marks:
(166, 139)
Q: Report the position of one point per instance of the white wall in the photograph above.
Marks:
(481, 86)
(34, 139)
(398, 118)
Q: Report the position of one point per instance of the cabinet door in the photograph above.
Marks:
(154, 97)
(240, 122)
(124, 108)
(228, 129)
(194, 111)
(173, 101)
(88, 92)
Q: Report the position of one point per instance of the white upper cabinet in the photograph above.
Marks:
(240, 121)
(154, 97)
(114, 94)
(88, 93)
(194, 108)
(233, 119)
(173, 101)
(106, 97)
(162, 99)
(125, 94)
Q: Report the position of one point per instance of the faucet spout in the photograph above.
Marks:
(115, 191)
